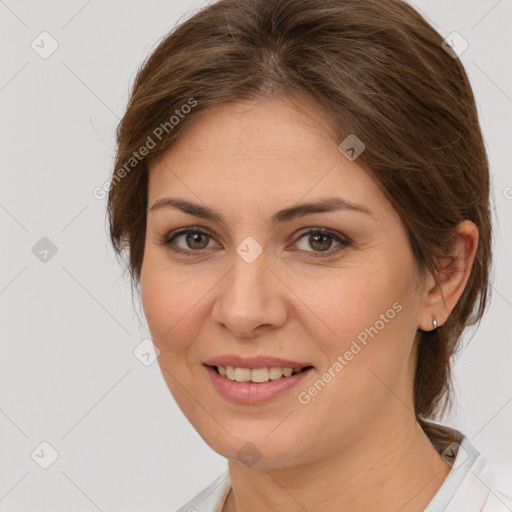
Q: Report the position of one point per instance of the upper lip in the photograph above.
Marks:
(254, 362)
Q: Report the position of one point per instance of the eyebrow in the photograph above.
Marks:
(331, 204)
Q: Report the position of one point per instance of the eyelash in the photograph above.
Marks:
(169, 239)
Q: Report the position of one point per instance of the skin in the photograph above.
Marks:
(356, 445)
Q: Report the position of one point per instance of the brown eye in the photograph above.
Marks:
(196, 240)
(193, 242)
(320, 240)
(190, 241)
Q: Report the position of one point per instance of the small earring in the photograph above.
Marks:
(434, 323)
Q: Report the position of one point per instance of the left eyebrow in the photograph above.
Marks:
(287, 214)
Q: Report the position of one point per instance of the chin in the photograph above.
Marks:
(256, 449)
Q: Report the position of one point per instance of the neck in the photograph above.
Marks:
(392, 467)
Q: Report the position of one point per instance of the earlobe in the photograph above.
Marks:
(442, 298)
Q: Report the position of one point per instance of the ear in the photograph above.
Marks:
(439, 300)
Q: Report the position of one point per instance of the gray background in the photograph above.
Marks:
(69, 328)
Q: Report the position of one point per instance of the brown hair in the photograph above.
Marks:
(374, 68)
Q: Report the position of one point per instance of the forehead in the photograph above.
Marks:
(249, 152)
(254, 130)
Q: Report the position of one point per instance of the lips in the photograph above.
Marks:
(254, 362)
(252, 393)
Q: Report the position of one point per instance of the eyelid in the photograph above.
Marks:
(343, 240)
(327, 231)
(169, 237)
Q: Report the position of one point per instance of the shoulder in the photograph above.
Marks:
(472, 484)
(480, 492)
(498, 495)
(499, 498)
(211, 498)
(498, 501)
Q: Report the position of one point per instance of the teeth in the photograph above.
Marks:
(256, 374)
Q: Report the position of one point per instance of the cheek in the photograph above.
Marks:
(168, 307)
(365, 351)
(351, 301)
(364, 316)
(168, 301)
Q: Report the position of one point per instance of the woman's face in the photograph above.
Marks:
(346, 302)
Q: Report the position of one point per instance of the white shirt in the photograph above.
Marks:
(468, 487)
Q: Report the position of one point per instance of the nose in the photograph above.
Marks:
(251, 299)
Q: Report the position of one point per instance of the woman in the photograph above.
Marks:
(303, 189)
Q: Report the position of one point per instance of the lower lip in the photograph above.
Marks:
(251, 393)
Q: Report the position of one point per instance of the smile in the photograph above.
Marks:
(237, 384)
(258, 375)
